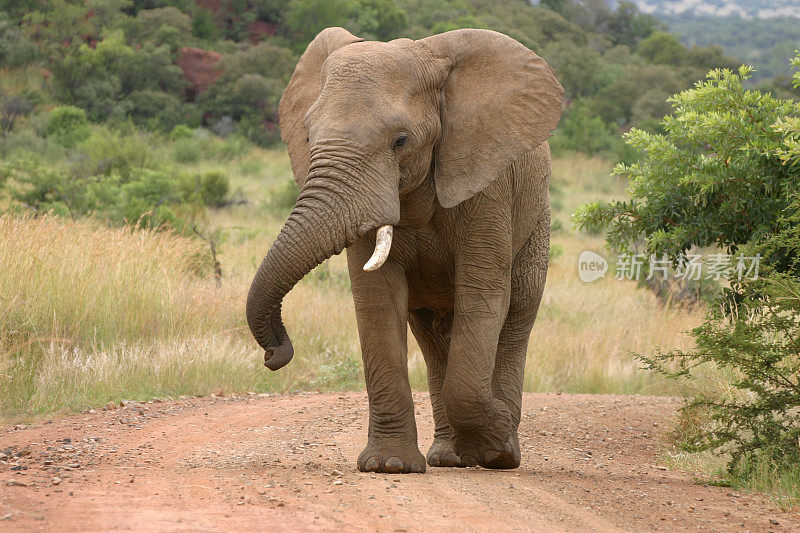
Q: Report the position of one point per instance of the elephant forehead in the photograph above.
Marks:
(372, 64)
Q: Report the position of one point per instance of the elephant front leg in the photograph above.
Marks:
(433, 337)
(482, 424)
(381, 304)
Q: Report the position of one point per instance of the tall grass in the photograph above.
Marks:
(90, 314)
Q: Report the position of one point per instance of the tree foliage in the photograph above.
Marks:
(715, 177)
(726, 173)
(118, 59)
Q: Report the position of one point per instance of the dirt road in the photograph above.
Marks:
(590, 463)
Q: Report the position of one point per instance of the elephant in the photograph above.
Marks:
(428, 161)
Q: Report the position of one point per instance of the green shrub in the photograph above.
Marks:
(234, 146)
(582, 131)
(214, 187)
(68, 125)
(155, 109)
(754, 336)
(726, 173)
(187, 151)
(713, 178)
(16, 48)
(120, 151)
(181, 131)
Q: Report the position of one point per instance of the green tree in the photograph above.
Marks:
(663, 48)
(714, 176)
(68, 125)
(381, 18)
(726, 173)
(304, 19)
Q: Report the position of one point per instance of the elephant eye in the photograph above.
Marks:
(400, 141)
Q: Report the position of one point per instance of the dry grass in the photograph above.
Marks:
(91, 314)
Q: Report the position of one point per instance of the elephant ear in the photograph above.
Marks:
(303, 90)
(499, 101)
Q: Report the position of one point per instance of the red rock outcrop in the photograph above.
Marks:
(200, 68)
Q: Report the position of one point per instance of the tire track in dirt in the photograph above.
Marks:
(287, 463)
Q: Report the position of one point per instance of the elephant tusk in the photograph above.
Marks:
(383, 244)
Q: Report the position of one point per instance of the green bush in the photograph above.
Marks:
(187, 151)
(155, 109)
(713, 178)
(581, 131)
(68, 125)
(16, 48)
(726, 173)
(214, 187)
(120, 151)
(181, 131)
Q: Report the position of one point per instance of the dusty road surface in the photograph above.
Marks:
(287, 463)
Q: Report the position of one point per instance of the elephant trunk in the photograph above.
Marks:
(320, 225)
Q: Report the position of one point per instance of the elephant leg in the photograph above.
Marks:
(527, 284)
(481, 422)
(433, 336)
(381, 304)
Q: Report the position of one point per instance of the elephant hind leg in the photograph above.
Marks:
(433, 336)
(527, 284)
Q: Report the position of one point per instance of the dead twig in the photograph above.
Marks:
(213, 246)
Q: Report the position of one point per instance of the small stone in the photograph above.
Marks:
(6, 516)
(774, 522)
(110, 406)
(337, 481)
(16, 483)
(56, 480)
(337, 473)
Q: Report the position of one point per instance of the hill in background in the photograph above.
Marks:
(763, 33)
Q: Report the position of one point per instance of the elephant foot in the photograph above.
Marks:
(391, 458)
(488, 452)
(441, 453)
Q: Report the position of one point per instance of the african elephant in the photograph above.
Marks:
(436, 151)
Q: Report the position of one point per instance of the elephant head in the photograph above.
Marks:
(367, 122)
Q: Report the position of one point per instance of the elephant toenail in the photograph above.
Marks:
(415, 467)
(452, 459)
(490, 456)
(372, 464)
(468, 460)
(394, 465)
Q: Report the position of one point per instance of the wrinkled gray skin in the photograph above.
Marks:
(467, 194)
